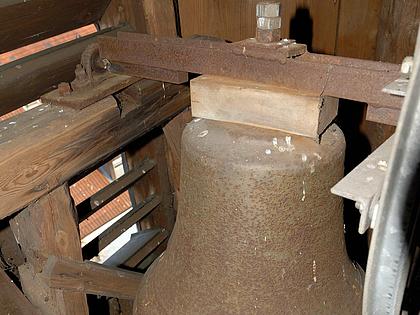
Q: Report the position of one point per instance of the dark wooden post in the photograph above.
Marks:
(48, 227)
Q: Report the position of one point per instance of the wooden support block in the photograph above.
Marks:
(261, 105)
(49, 227)
(91, 278)
(12, 300)
(50, 301)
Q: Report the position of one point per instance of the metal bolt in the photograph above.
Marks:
(407, 65)
(268, 22)
(268, 9)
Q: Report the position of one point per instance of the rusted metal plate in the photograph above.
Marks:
(383, 115)
(153, 73)
(339, 77)
(80, 99)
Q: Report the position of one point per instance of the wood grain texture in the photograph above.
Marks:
(12, 300)
(49, 301)
(144, 16)
(173, 134)
(261, 105)
(358, 28)
(120, 12)
(155, 182)
(49, 227)
(160, 17)
(235, 20)
(90, 278)
(38, 155)
(399, 24)
(27, 79)
(26, 22)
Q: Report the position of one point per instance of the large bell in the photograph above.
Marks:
(258, 231)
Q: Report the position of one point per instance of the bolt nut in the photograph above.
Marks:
(407, 65)
(268, 36)
(264, 23)
(64, 88)
(268, 9)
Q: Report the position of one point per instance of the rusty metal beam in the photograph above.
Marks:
(347, 78)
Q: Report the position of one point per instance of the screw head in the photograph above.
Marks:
(268, 9)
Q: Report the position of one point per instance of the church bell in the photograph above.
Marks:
(257, 230)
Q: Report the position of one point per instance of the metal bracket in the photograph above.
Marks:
(364, 184)
(399, 87)
(92, 82)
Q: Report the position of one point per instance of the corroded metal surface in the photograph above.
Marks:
(347, 78)
(258, 231)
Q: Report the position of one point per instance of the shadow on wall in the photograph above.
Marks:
(349, 119)
(301, 27)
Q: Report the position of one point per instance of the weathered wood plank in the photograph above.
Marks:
(144, 16)
(358, 28)
(261, 105)
(26, 22)
(49, 227)
(154, 182)
(398, 27)
(160, 17)
(121, 12)
(26, 79)
(12, 300)
(173, 133)
(36, 158)
(90, 278)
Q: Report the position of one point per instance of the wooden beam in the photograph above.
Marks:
(144, 16)
(49, 227)
(25, 22)
(173, 134)
(90, 278)
(38, 155)
(26, 79)
(160, 17)
(358, 28)
(12, 300)
(398, 27)
(261, 105)
(155, 182)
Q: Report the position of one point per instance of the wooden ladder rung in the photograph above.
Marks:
(119, 227)
(138, 248)
(92, 204)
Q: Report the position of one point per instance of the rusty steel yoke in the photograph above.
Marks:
(288, 65)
